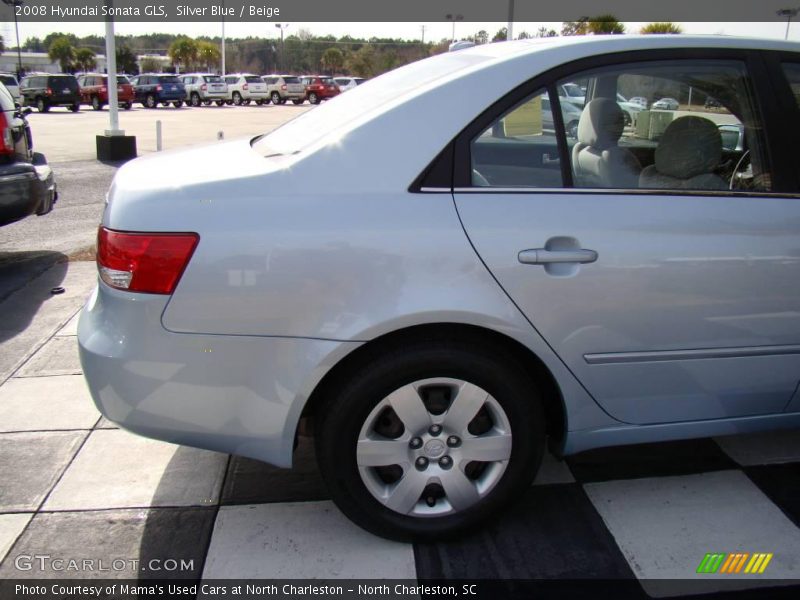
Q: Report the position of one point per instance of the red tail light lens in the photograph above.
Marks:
(159, 88)
(244, 87)
(283, 87)
(203, 87)
(48, 92)
(143, 262)
(6, 136)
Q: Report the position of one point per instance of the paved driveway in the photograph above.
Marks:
(73, 486)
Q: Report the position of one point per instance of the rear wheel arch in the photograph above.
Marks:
(533, 366)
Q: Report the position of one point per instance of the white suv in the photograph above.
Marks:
(246, 87)
(204, 88)
(285, 87)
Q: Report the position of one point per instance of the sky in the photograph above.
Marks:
(408, 31)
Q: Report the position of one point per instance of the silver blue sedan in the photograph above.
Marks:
(484, 285)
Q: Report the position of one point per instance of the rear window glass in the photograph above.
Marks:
(291, 79)
(326, 80)
(63, 82)
(122, 79)
(253, 79)
(314, 125)
(8, 79)
(214, 79)
(169, 79)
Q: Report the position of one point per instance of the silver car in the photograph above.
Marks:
(483, 285)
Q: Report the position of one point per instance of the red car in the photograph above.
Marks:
(319, 88)
(94, 91)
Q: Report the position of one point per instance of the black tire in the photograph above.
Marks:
(150, 101)
(313, 98)
(276, 98)
(572, 129)
(237, 98)
(208, 103)
(195, 100)
(75, 107)
(347, 409)
(220, 102)
(229, 102)
(96, 104)
(246, 102)
(41, 105)
(128, 105)
(298, 101)
(259, 102)
(177, 103)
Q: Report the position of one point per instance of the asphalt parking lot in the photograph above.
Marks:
(65, 136)
(74, 486)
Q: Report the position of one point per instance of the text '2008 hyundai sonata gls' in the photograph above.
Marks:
(484, 283)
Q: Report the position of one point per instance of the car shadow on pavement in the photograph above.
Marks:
(18, 269)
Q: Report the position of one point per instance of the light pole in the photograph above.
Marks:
(454, 18)
(510, 30)
(13, 4)
(788, 13)
(282, 26)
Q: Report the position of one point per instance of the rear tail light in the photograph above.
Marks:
(203, 87)
(143, 262)
(244, 87)
(7, 138)
(48, 92)
(103, 89)
(159, 88)
(283, 87)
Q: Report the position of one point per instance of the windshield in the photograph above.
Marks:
(315, 124)
(169, 79)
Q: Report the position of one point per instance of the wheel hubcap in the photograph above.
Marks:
(434, 447)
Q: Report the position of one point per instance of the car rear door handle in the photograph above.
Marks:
(542, 256)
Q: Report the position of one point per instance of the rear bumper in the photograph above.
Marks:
(236, 394)
(26, 189)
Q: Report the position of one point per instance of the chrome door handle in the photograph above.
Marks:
(541, 256)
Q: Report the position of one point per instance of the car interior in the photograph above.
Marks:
(705, 146)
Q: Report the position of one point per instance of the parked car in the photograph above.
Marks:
(469, 297)
(45, 91)
(27, 185)
(348, 83)
(570, 113)
(319, 88)
(666, 104)
(630, 109)
(204, 88)
(572, 92)
(12, 85)
(244, 88)
(94, 91)
(152, 89)
(281, 88)
(640, 101)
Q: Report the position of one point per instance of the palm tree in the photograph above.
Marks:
(85, 59)
(61, 50)
(605, 24)
(332, 60)
(208, 54)
(661, 28)
(183, 52)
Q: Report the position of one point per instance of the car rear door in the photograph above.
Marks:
(667, 304)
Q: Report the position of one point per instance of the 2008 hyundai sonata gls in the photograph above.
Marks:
(483, 283)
